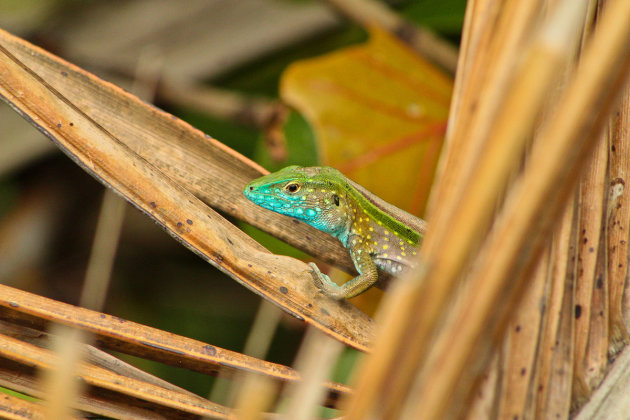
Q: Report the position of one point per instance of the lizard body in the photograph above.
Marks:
(376, 234)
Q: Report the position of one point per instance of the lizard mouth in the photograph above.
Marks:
(264, 199)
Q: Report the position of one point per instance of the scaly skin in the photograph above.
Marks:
(326, 200)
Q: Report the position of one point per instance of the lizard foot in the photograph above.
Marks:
(326, 285)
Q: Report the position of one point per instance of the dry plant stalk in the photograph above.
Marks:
(533, 204)
(255, 395)
(103, 378)
(315, 361)
(139, 340)
(16, 408)
(549, 390)
(257, 345)
(618, 222)
(258, 112)
(59, 381)
(590, 264)
(17, 380)
(478, 88)
(103, 253)
(371, 12)
(552, 396)
(521, 346)
(591, 126)
(483, 405)
(22, 379)
(610, 400)
(505, 143)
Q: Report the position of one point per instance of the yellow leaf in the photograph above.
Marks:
(379, 111)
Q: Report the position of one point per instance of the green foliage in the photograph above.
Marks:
(8, 196)
(345, 365)
(443, 16)
(17, 394)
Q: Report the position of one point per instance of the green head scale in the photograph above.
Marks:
(315, 195)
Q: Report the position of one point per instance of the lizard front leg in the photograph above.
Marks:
(364, 264)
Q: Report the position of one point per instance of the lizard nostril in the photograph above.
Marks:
(251, 188)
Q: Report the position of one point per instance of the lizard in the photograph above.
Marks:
(378, 235)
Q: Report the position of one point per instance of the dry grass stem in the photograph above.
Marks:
(139, 340)
(94, 400)
(315, 362)
(22, 382)
(258, 112)
(370, 12)
(618, 221)
(555, 366)
(483, 405)
(521, 344)
(476, 98)
(530, 209)
(16, 408)
(257, 345)
(102, 378)
(263, 330)
(255, 395)
(611, 400)
(590, 263)
(506, 142)
(60, 383)
(103, 253)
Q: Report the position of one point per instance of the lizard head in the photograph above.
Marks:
(315, 195)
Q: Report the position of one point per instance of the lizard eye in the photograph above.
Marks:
(336, 200)
(292, 188)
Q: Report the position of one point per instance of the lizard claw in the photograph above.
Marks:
(325, 284)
